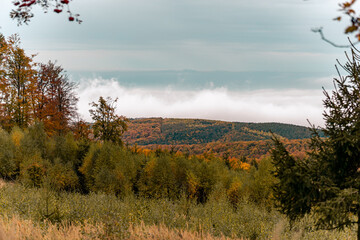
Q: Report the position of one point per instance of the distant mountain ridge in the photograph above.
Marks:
(172, 131)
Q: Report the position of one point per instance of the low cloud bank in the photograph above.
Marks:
(286, 106)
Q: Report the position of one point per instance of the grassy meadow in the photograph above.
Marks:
(39, 213)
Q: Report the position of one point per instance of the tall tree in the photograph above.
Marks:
(327, 183)
(107, 125)
(17, 84)
(56, 99)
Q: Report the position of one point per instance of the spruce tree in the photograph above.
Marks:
(327, 182)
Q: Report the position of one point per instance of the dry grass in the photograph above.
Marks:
(3, 183)
(278, 229)
(19, 229)
(163, 233)
(15, 228)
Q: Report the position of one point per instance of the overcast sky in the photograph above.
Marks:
(200, 35)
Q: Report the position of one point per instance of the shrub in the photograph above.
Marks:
(33, 171)
(62, 176)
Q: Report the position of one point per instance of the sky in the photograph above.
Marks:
(232, 60)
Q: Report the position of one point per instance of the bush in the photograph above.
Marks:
(62, 176)
(33, 170)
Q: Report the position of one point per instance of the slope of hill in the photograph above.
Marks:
(248, 149)
(147, 131)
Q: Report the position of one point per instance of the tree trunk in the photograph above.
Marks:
(358, 223)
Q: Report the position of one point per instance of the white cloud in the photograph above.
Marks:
(287, 106)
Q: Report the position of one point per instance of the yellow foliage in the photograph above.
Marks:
(244, 166)
(88, 162)
(235, 163)
(234, 191)
(149, 168)
(146, 152)
(16, 136)
(178, 154)
(192, 184)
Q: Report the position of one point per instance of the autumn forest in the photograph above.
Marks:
(114, 175)
(64, 175)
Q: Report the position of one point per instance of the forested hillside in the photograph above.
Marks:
(168, 131)
(245, 150)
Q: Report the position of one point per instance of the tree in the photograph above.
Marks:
(31, 91)
(327, 182)
(56, 99)
(107, 125)
(17, 84)
(81, 129)
(23, 12)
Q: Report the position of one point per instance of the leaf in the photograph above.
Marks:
(346, 5)
(358, 36)
(337, 19)
(351, 29)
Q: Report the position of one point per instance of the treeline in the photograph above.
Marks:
(161, 131)
(31, 91)
(41, 144)
(66, 164)
(250, 150)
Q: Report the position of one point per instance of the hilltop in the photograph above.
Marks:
(171, 131)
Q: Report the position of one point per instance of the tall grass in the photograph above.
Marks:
(44, 214)
(217, 217)
(14, 228)
(20, 229)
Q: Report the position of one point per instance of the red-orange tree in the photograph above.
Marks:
(56, 98)
(30, 92)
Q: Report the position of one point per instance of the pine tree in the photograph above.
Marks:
(327, 182)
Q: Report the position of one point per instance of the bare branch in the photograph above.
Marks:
(320, 31)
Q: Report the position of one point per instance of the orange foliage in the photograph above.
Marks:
(236, 163)
(145, 151)
(251, 150)
(56, 100)
(81, 130)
